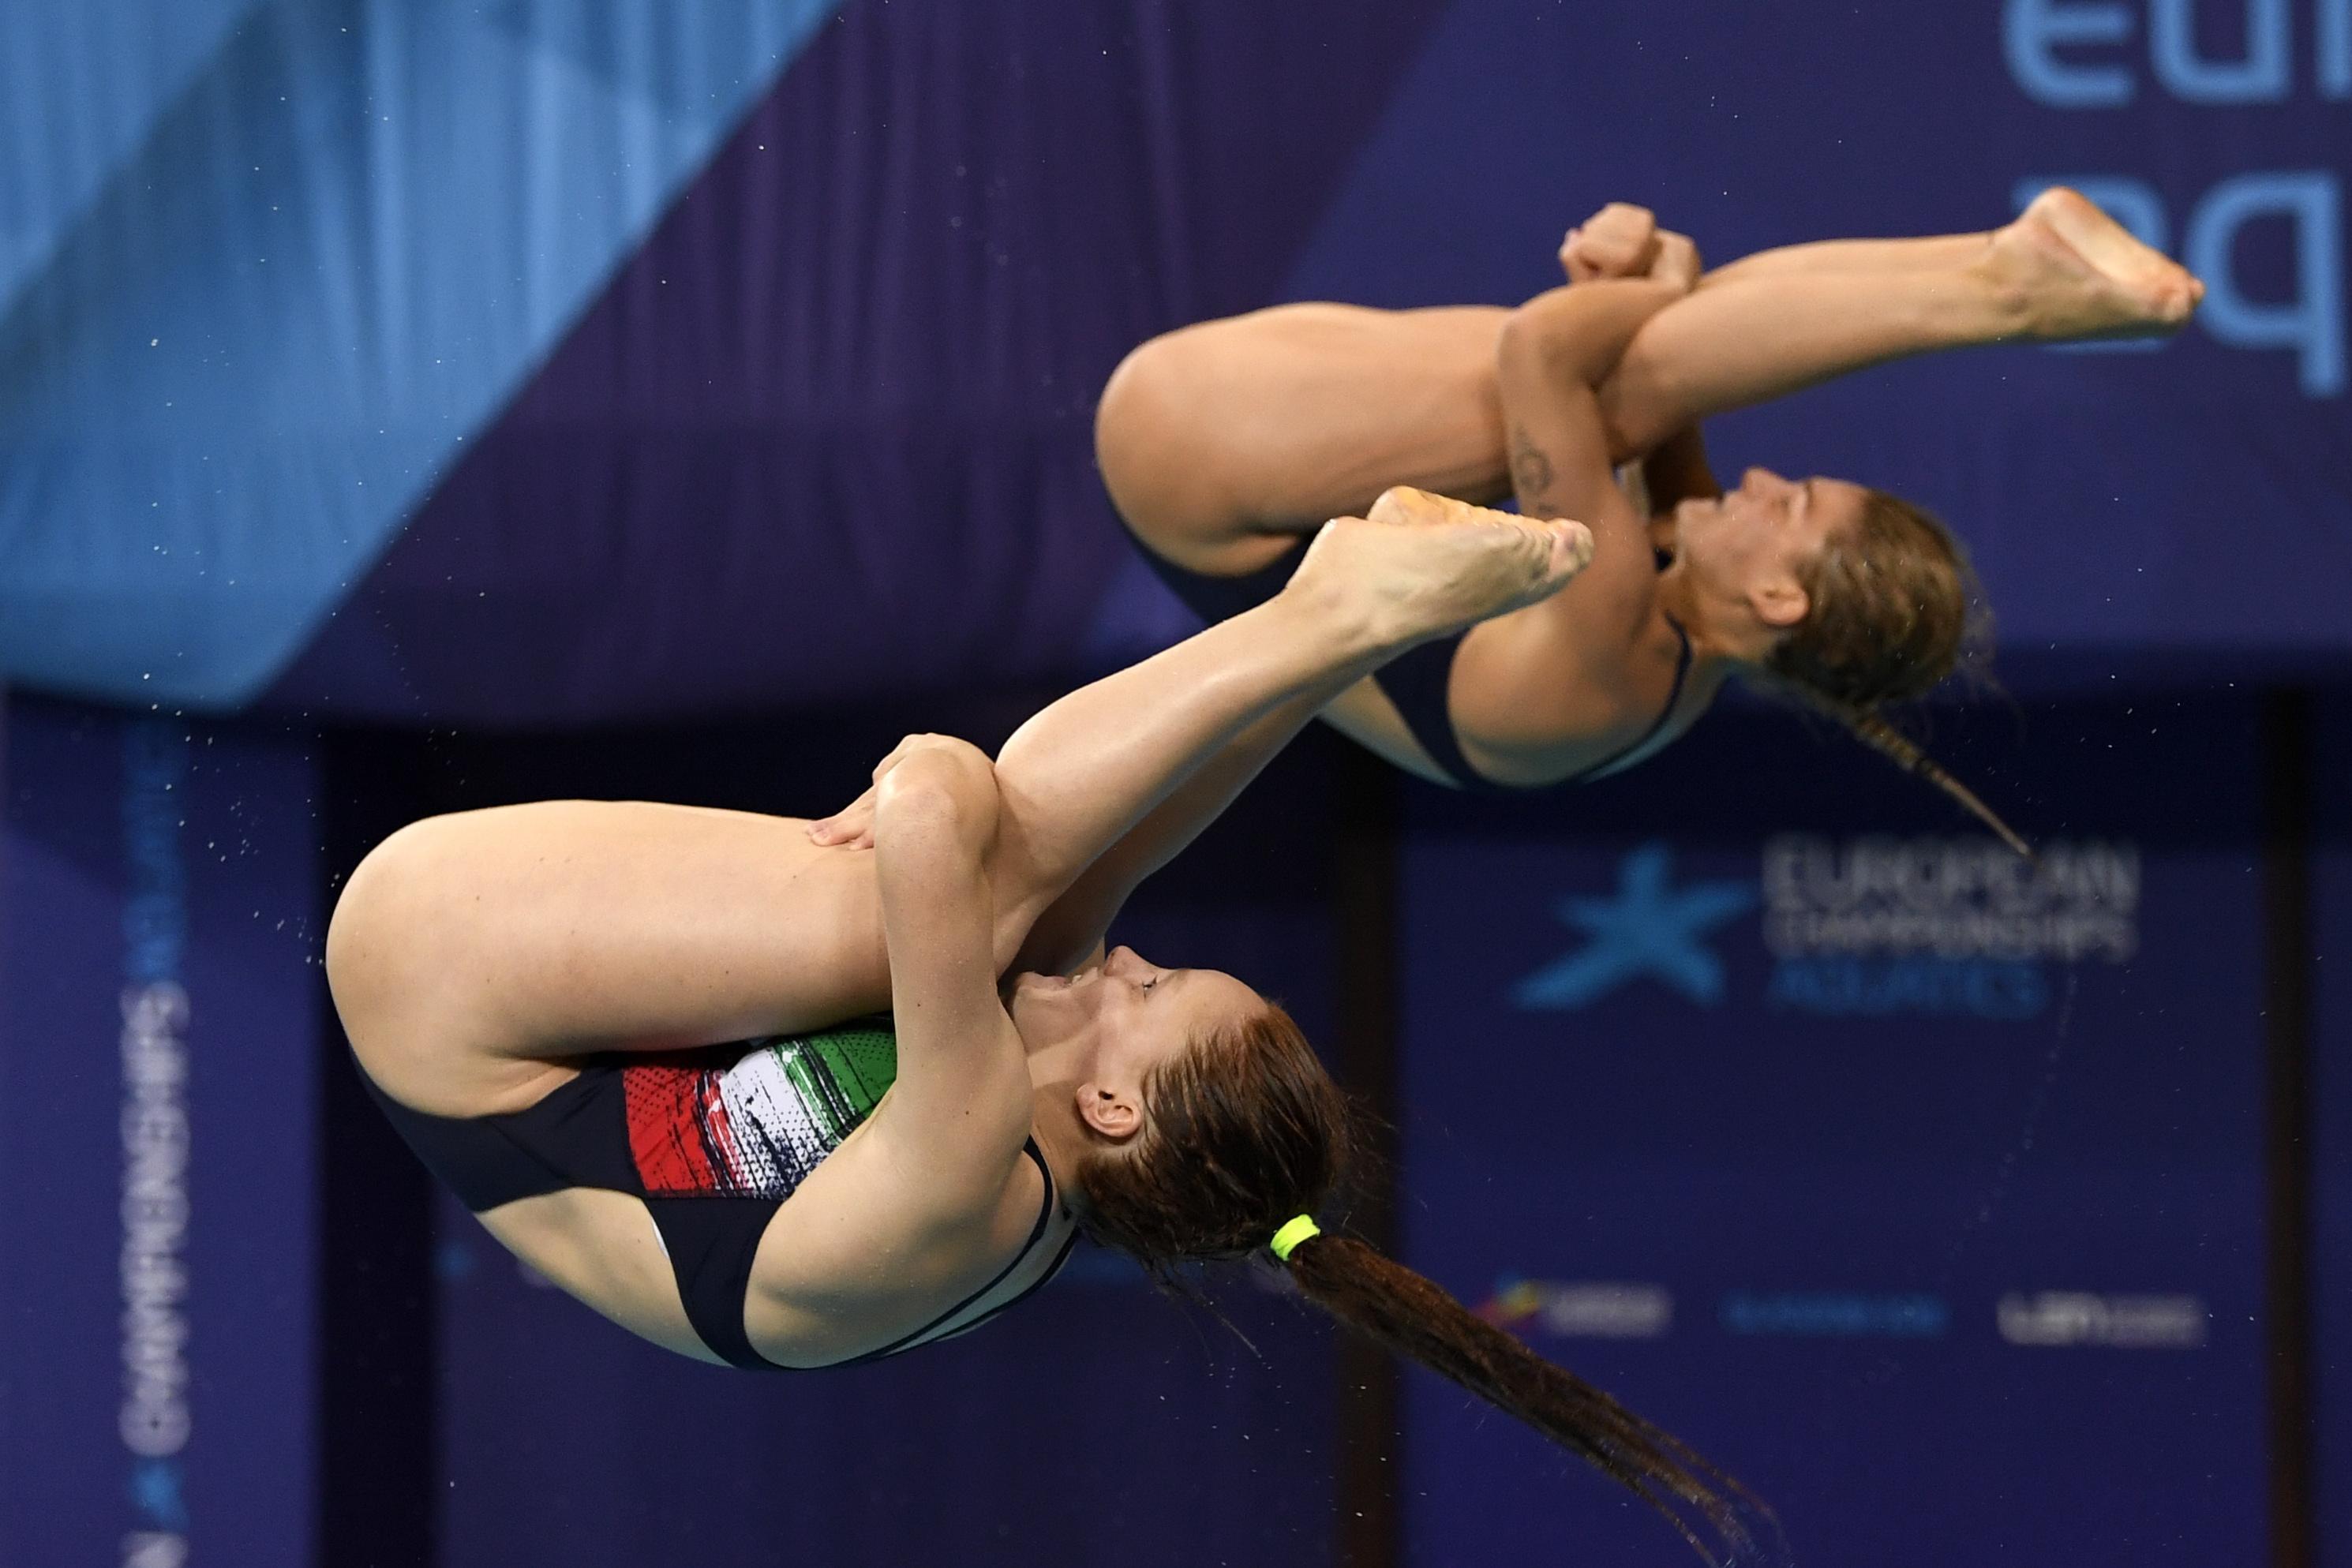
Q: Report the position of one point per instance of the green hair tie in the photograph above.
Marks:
(1286, 1240)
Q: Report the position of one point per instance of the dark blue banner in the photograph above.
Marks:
(2331, 1121)
(1917, 1186)
(157, 1122)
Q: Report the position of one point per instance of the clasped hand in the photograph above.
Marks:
(1622, 240)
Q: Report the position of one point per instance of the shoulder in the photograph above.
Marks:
(1545, 701)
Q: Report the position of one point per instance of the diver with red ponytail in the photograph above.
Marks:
(788, 1095)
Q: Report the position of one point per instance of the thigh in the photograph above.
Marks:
(471, 952)
(602, 1249)
(1216, 439)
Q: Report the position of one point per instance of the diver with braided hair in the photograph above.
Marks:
(1220, 442)
(787, 1094)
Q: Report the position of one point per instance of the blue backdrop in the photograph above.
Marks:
(1921, 1189)
(157, 1139)
(515, 363)
(2332, 1121)
(557, 363)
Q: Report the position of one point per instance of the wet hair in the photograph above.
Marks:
(1246, 1131)
(1892, 607)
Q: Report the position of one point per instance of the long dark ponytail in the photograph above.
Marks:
(1246, 1131)
(1412, 1316)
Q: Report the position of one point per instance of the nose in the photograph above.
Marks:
(1761, 481)
(1122, 961)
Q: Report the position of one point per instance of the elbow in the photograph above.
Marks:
(1539, 345)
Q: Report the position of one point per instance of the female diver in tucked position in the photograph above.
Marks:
(1223, 443)
(541, 997)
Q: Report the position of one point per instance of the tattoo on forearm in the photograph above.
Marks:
(1531, 470)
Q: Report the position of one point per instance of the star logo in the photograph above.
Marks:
(156, 1492)
(1650, 929)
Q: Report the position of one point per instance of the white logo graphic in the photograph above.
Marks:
(1929, 926)
(1653, 929)
(1583, 1309)
(2120, 1322)
(1950, 898)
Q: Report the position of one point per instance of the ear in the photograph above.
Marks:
(1779, 602)
(1114, 1115)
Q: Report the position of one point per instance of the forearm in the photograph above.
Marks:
(1579, 333)
(1622, 242)
(1554, 355)
(936, 817)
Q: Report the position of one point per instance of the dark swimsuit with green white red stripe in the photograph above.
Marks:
(714, 1142)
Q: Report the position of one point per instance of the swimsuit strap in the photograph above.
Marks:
(1417, 684)
(1036, 1233)
(1069, 1244)
(1673, 696)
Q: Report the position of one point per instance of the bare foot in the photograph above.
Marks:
(1423, 565)
(2080, 274)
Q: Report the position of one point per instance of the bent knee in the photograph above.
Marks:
(378, 936)
(1171, 442)
(1140, 424)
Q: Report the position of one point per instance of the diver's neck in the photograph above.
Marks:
(1061, 1141)
(1680, 602)
(1683, 603)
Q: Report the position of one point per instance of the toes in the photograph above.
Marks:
(1570, 547)
(1404, 504)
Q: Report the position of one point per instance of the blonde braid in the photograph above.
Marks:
(1873, 730)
